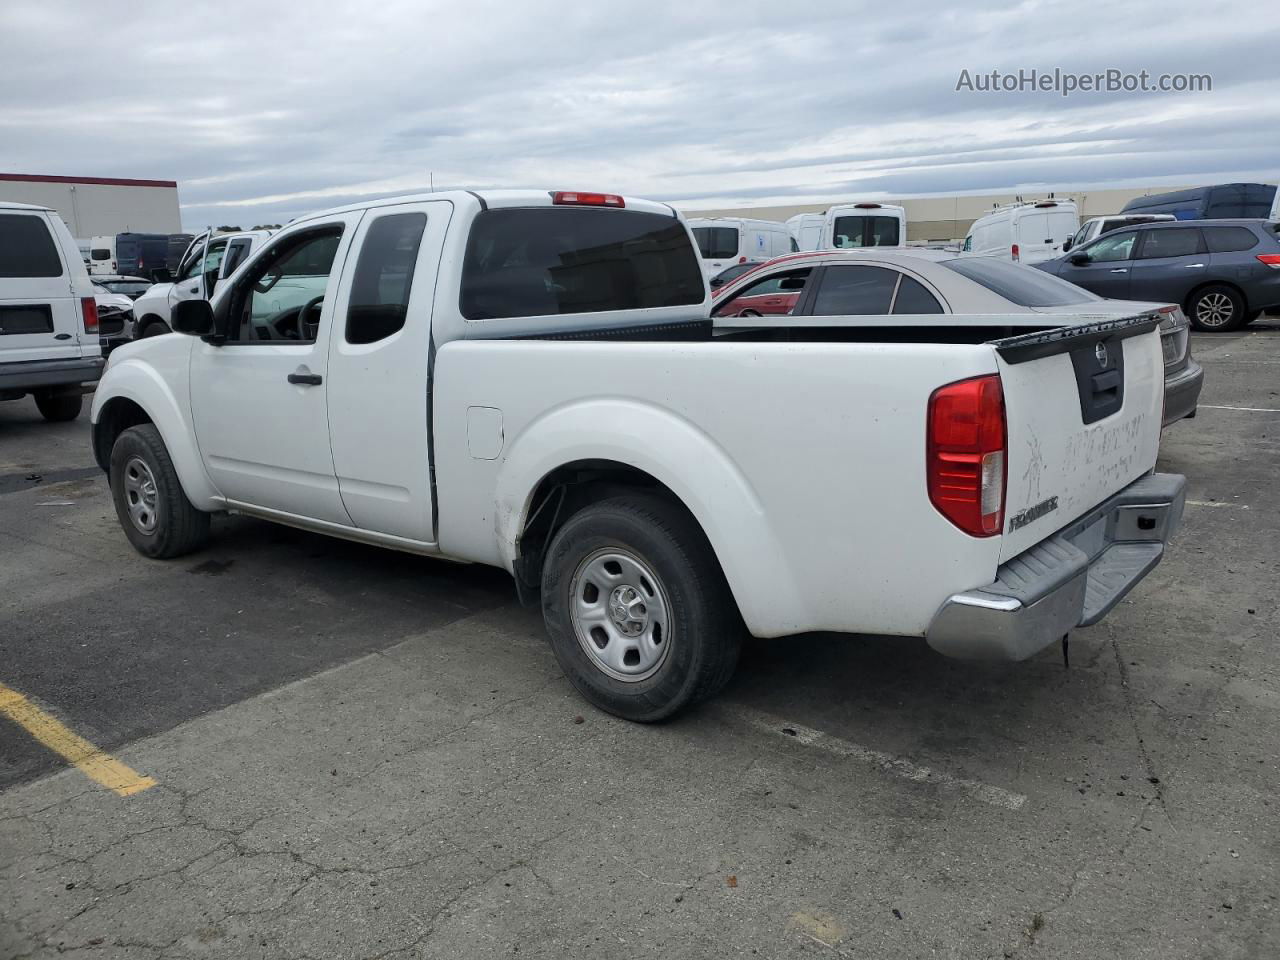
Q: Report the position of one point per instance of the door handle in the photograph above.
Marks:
(304, 377)
(1121, 270)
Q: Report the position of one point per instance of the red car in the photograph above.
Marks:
(774, 295)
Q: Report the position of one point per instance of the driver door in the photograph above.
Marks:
(259, 399)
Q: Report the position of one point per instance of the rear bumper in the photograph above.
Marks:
(1070, 580)
(35, 374)
(1182, 392)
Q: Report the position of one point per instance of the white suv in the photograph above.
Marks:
(48, 316)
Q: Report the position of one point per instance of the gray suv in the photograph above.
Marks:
(1224, 273)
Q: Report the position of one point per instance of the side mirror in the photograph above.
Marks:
(193, 317)
(1066, 244)
(1080, 259)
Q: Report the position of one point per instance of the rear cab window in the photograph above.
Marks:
(1025, 286)
(545, 261)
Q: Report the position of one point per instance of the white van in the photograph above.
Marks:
(724, 241)
(1030, 231)
(48, 315)
(102, 255)
(806, 230)
(1095, 227)
(850, 226)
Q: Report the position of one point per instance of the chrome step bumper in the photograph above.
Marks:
(1072, 579)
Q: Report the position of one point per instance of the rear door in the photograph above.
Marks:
(1083, 416)
(40, 317)
(1169, 262)
(379, 363)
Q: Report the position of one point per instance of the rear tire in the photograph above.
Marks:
(59, 407)
(668, 599)
(1216, 308)
(150, 503)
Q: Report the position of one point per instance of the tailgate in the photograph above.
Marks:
(1083, 406)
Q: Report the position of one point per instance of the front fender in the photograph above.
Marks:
(162, 394)
(681, 456)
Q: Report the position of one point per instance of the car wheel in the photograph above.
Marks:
(59, 407)
(1216, 308)
(155, 328)
(749, 313)
(639, 613)
(150, 503)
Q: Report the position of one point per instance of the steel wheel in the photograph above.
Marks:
(140, 495)
(1215, 310)
(620, 613)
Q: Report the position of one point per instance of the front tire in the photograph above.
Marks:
(59, 407)
(640, 616)
(150, 503)
(1216, 309)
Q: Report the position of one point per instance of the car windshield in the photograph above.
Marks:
(1023, 285)
(127, 287)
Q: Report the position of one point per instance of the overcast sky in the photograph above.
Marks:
(263, 111)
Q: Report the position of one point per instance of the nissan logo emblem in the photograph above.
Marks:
(1100, 351)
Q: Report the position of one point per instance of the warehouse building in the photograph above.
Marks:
(100, 206)
(948, 218)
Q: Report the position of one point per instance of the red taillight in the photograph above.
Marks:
(1272, 260)
(1013, 251)
(89, 311)
(965, 454)
(574, 199)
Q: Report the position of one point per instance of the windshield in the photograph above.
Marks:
(1023, 285)
(716, 243)
(130, 288)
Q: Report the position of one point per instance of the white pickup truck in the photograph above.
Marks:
(531, 381)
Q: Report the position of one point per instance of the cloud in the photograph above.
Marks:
(265, 113)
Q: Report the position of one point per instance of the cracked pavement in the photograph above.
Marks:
(361, 755)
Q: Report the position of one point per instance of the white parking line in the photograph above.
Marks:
(898, 766)
(1211, 406)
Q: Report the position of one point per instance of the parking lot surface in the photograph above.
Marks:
(358, 753)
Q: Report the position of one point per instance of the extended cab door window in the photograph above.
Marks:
(384, 276)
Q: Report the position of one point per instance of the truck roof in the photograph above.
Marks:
(496, 199)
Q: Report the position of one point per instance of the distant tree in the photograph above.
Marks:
(228, 229)
(267, 226)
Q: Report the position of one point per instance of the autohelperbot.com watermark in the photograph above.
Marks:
(1065, 82)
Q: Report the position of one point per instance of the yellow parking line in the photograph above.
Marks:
(93, 763)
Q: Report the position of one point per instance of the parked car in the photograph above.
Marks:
(1224, 273)
(115, 317)
(1024, 232)
(917, 281)
(806, 229)
(725, 241)
(1224, 201)
(442, 378)
(48, 316)
(729, 273)
(208, 259)
(1095, 227)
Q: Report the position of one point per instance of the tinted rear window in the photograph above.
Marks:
(1229, 239)
(540, 261)
(1171, 242)
(855, 291)
(716, 243)
(865, 231)
(1023, 285)
(26, 248)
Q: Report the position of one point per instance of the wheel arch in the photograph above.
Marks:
(568, 460)
(133, 393)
